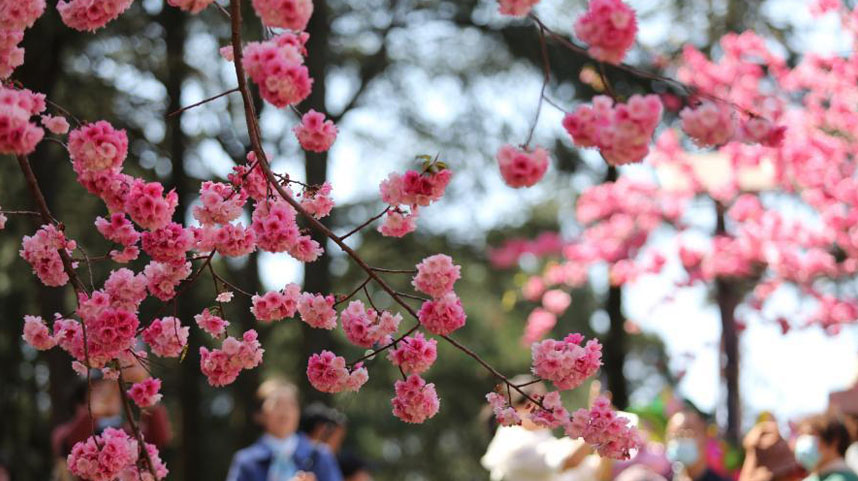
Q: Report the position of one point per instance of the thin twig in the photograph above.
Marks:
(201, 102)
(546, 69)
(355, 291)
(394, 271)
(368, 222)
(126, 406)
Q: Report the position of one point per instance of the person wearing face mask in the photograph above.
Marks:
(768, 456)
(686, 442)
(282, 454)
(821, 446)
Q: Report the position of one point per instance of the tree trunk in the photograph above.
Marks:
(727, 298)
(174, 23)
(317, 276)
(615, 342)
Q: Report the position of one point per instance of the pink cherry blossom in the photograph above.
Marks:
(117, 229)
(552, 414)
(274, 226)
(3, 220)
(147, 205)
(41, 251)
(621, 133)
(365, 327)
(276, 66)
(314, 133)
(415, 401)
(602, 428)
(443, 315)
(19, 15)
(222, 366)
(97, 146)
(556, 301)
(516, 8)
(505, 414)
(110, 186)
(11, 55)
(166, 336)
(539, 323)
(436, 275)
(56, 124)
(18, 135)
(709, 124)
(288, 14)
(317, 310)
(145, 393)
(414, 354)
(110, 334)
(317, 201)
(522, 168)
(276, 305)
(225, 296)
(36, 333)
(90, 15)
(566, 363)
(169, 243)
(103, 457)
(234, 240)
(327, 372)
(609, 26)
(250, 178)
(398, 224)
(125, 289)
(305, 249)
(214, 325)
(192, 6)
(141, 471)
(163, 278)
(220, 204)
(414, 188)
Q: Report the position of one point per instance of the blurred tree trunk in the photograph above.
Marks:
(317, 275)
(174, 23)
(727, 297)
(615, 341)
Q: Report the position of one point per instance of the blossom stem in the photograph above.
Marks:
(126, 406)
(368, 222)
(201, 102)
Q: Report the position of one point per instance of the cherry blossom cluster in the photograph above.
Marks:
(221, 366)
(521, 167)
(317, 310)
(505, 414)
(166, 336)
(365, 327)
(414, 354)
(314, 133)
(15, 17)
(90, 15)
(415, 400)
(277, 67)
(288, 14)
(18, 134)
(566, 363)
(328, 372)
(212, 324)
(192, 6)
(410, 191)
(146, 393)
(621, 132)
(609, 27)
(113, 454)
(276, 305)
(41, 250)
(604, 429)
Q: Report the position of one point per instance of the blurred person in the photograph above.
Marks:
(354, 468)
(686, 447)
(324, 425)
(529, 452)
(639, 472)
(768, 456)
(820, 448)
(282, 453)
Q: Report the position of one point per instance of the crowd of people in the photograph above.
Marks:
(823, 447)
(307, 445)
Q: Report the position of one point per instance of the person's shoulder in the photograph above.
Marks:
(254, 452)
(711, 475)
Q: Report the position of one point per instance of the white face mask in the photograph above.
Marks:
(807, 451)
(683, 450)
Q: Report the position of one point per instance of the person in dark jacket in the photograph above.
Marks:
(282, 454)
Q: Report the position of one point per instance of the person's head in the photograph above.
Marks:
(353, 468)
(822, 439)
(324, 425)
(278, 407)
(521, 403)
(686, 438)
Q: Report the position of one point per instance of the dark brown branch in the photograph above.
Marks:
(355, 291)
(201, 102)
(368, 222)
(141, 443)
